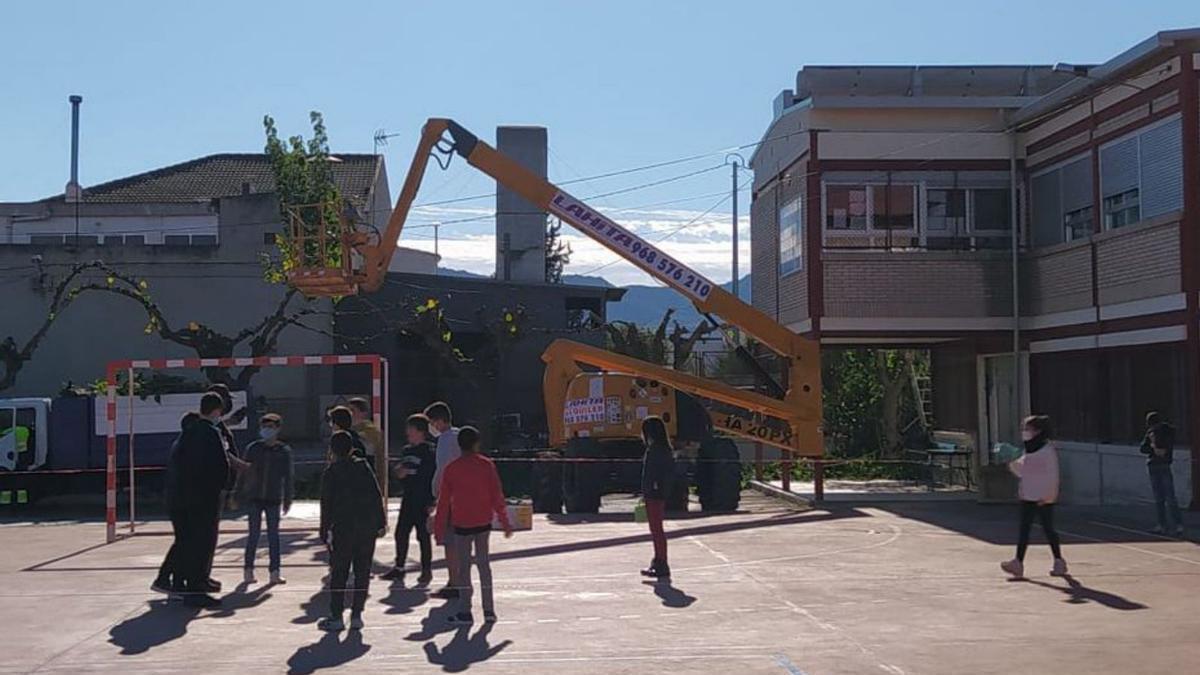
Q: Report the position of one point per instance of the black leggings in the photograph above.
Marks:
(1045, 512)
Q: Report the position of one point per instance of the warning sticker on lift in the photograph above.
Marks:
(612, 409)
(584, 410)
(632, 247)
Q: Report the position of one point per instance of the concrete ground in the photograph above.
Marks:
(898, 587)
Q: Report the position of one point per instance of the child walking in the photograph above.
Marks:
(352, 517)
(415, 471)
(1037, 470)
(658, 470)
(267, 489)
(469, 496)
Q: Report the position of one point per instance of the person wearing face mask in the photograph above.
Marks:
(267, 488)
(1037, 471)
(202, 467)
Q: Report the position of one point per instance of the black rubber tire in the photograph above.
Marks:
(582, 483)
(719, 476)
(548, 484)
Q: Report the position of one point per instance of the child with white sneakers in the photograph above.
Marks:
(1037, 471)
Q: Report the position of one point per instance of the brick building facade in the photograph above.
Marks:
(883, 214)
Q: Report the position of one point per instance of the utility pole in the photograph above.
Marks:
(735, 162)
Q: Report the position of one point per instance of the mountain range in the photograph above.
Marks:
(643, 305)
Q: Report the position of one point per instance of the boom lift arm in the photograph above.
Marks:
(441, 138)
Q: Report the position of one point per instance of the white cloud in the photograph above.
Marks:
(704, 245)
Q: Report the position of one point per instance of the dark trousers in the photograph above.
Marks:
(272, 511)
(350, 551)
(655, 512)
(413, 518)
(1045, 513)
(1162, 481)
(167, 574)
(196, 528)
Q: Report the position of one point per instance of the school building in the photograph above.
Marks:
(1037, 213)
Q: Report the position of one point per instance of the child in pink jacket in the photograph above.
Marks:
(1037, 470)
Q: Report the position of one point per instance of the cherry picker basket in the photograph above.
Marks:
(320, 252)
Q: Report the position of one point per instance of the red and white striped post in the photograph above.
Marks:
(110, 457)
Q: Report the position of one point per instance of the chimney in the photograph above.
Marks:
(73, 193)
(521, 226)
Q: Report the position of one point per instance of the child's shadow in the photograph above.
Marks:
(670, 596)
(402, 600)
(1080, 594)
(464, 649)
(328, 652)
(435, 623)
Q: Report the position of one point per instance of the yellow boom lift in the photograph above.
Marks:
(595, 399)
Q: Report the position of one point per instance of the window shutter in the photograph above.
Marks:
(1119, 167)
(1047, 209)
(1077, 185)
(1162, 169)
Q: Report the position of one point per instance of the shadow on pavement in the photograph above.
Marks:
(435, 623)
(670, 596)
(1078, 594)
(464, 649)
(328, 652)
(161, 622)
(165, 621)
(997, 523)
(403, 600)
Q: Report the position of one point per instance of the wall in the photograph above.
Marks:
(926, 284)
(1095, 474)
(764, 250)
(220, 286)
(520, 221)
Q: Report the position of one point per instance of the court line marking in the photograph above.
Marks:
(787, 665)
(1165, 556)
(1131, 530)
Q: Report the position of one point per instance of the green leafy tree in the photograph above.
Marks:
(558, 252)
(310, 203)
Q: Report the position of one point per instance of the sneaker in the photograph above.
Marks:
(489, 617)
(356, 622)
(277, 578)
(425, 578)
(657, 571)
(212, 586)
(248, 575)
(161, 586)
(176, 594)
(1014, 567)
(394, 574)
(202, 601)
(461, 619)
(1059, 569)
(445, 593)
(332, 624)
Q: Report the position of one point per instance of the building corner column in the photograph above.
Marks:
(1189, 237)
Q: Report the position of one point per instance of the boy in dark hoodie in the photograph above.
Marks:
(352, 517)
(415, 471)
(1159, 447)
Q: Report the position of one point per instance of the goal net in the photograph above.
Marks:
(122, 407)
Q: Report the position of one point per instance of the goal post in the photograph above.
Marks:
(379, 398)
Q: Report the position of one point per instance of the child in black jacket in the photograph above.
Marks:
(415, 471)
(352, 517)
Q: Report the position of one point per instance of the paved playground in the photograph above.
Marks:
(882, 587)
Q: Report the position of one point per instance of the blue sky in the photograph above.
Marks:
(618, 83)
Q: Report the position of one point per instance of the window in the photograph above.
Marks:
(269, 238)
(1141, 175)
(1078, 223)
(1121, 209)
(791, 237)
(991, 210)
(946, 212)
(1061, 202)
(204, 240)
(894, 207)
(176, 239)
(845, 207)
